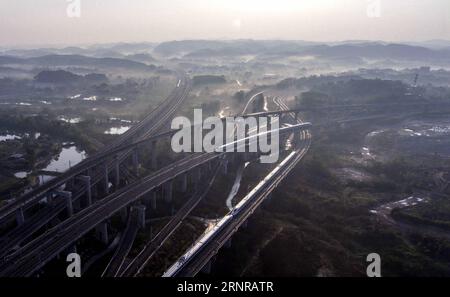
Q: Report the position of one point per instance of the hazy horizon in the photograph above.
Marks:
(26, 23)
(106, 44)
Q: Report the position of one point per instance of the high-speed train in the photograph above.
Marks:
(207, 237)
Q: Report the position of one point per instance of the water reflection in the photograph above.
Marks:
(21, 174)
(70, 120)
(68, 157)
(117, 130)
(9, 137)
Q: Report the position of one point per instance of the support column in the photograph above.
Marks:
(20, 217)
(124, 214)
(70, 184)
(141, 215)
(184, 182)
(89, 171)
(225, 166)
(153, 200)
(297, 137)
(117, 172)
(168, 191)
(197, 177)
(102, 232)
(95, 193)
(153, 153)
(106, 179)
(68, 197)
(136, 161)
(199, 173)
(87, 183)
(50, 198)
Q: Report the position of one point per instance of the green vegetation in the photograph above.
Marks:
(47, 124)
(434, 213)
(317, 224)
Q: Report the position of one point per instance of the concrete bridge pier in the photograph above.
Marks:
(49, 197)
(67, 196)
(196, 177)
(20, 217)
(150, 200)
(87, 183)
(225, 166)
(231, 157)
(297, 137)
(94, 192)
(153, 200)
(135, 157)
(154, 164)
(184, 182)
(146, 200)
(168, 191)
(124, 214)
(106, 180)
(141, 215)
(70, 184)
(117, 173)
(102, 232)
(199, 174)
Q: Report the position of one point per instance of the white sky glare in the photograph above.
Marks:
(31, 22)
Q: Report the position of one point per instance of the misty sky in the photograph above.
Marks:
(45, 22)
